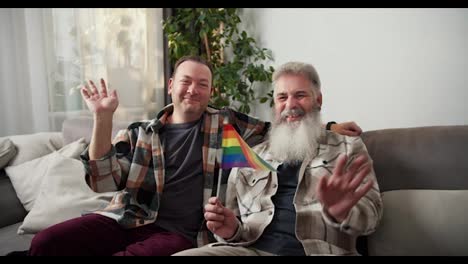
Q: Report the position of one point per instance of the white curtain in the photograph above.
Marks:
(23, 87)
(56, 50)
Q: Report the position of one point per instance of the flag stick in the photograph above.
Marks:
(220, 174)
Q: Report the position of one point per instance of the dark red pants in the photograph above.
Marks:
(97, 235)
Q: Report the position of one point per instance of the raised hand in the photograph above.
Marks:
(341, 191)
(219, 219)
(347, 129)
(99, 101)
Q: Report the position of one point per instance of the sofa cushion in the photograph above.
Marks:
(33, 146)
(7, 151)
(10, 241)
(420, 157)
(27, 176)
(12, 211)
(422, 222)
(64, 194)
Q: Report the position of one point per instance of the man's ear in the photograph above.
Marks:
(170, 83)
(319, 100)
(212, 91)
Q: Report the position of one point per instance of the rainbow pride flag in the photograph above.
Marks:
(236, 153)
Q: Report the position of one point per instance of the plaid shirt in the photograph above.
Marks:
(249, 194)
(134, 167)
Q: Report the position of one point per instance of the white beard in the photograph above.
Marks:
(296, 141)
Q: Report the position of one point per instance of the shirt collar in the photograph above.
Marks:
(161, 118)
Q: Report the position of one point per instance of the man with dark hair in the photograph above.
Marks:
(162, 171)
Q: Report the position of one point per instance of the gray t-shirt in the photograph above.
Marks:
(181, 208)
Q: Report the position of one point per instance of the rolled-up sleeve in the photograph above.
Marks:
(101, 173)
(110, 172)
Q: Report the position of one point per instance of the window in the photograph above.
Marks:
(123, 46)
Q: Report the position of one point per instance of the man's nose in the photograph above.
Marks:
(192, 89)
(291, 103)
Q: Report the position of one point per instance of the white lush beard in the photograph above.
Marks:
(296, 141)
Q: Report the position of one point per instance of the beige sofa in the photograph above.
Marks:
(43, 184)
(423, 177)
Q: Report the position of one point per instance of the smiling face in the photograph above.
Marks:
(190, 89)
(294, 97)
(297, 125)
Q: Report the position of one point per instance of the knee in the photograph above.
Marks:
(42, 243)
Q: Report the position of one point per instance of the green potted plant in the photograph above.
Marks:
(238, 63)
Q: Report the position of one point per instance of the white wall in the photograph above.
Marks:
(383, 68)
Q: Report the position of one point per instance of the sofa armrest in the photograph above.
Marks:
(12, 211)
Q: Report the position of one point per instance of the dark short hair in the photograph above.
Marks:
(193, 58)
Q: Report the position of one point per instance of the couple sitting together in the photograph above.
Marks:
(321, 196)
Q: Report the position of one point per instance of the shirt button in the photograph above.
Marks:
(270, 212)
(253, 181)
(275, 185)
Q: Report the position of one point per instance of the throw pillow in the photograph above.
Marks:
(7, 151)
(63, 195)
(27, 177)
(33, 146)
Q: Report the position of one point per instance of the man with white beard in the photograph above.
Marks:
(323, 195)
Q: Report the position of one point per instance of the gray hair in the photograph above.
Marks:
(298, 68)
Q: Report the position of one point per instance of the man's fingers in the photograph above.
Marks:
(354, 127)
(322, 186)
(340, 165)
(213, 225)
(103, 88)
(351, 133)
(210, 207)
(88, 89)
(93, 87)
(363, 189)
(84, 92)
(357, 129)
(355, 164)
(214, 208)
(213, 200)
(114, 94)
(360, 176)
(213, 217)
